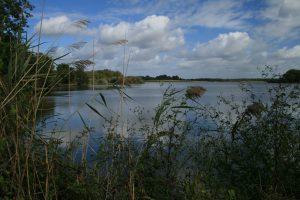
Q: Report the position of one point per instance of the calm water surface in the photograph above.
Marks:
(64, 113)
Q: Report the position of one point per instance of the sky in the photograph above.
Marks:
(189, 38)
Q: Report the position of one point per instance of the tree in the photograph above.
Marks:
(81, 77)
(13, 20)
(291, 76)
(13, 15)
(64, 71)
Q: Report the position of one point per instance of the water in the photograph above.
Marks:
(64, 113)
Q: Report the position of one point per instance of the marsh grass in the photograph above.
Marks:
(250, 154)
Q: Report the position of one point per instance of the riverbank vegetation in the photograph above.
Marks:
(194, 92)
(186, 151)
(291, 76)
(110, 77)
(161, 78)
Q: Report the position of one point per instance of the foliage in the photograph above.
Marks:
(291, 76)
(162, 77)
(13, 19)
(249, 153)
(66, 72)
(81, 77)
(13, 15)
(194, 92)
(186, 151)
(72, 75)
(106, 76)
(258, 152)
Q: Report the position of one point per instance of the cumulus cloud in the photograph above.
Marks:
(61, 25)
(148, 41)
(158, 44)
(226, 46)
(151, 32)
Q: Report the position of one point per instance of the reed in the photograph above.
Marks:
(251, 154)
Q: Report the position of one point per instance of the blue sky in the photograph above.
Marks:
(191, 38)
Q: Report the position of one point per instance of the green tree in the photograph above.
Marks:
(291, 76)
(14, 15)
(13, 20)
(64, 71)
(81, 77)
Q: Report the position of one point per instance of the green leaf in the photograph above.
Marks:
(97, 112)
(103, 99)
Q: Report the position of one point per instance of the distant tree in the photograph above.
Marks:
(77, 75)
(166, 77)
(81, 77)
(64, 71)
(147, 77)
(176, 78)
(45, 65)
(105, 76)
(291, 76)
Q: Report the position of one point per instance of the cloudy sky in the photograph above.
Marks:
(190, 38)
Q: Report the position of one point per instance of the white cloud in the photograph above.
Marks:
(61, 25)
(152, 32)
(214, 14)
(226, 46)
(288, 53)
(283, 18)
(157, 42)
(148, 42)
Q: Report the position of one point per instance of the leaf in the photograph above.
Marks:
(129, 97)
(55, 59)
(103, 98)
(85, 125)
(159, 112)
(185, 107)
(97, 112)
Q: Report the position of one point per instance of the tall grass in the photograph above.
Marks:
(186, 151)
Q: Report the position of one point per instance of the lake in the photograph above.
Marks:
(65, 109)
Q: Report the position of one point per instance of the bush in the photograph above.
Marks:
(195, 92)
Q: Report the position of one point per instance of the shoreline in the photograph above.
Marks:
(207, 80)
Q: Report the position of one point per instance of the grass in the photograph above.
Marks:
(230, 161)
(250, 152)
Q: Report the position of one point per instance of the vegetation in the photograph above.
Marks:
(133, 80)
(104, 77)
(291, 76)
(13, 15)
(62, 70)
(161, 77)
(109, 77)
(194, 92)
(72, 75)
(249, 151)
(229, 80)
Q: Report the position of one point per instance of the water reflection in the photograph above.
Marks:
(65, 118)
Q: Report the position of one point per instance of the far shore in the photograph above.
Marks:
(65, 87)
(211, 80)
